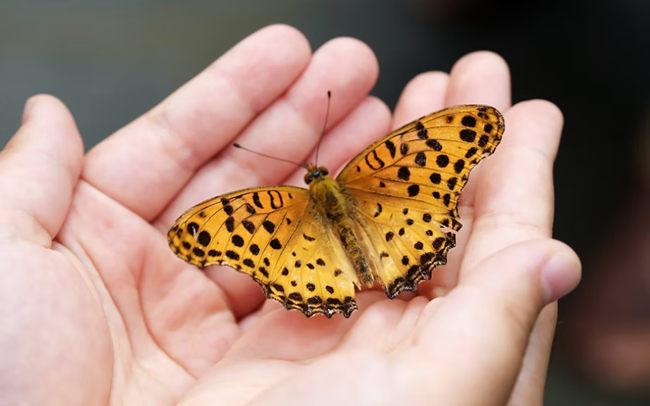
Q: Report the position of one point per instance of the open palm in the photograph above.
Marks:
(97, 309)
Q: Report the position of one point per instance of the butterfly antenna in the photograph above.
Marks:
(303, 165)
(327, 113)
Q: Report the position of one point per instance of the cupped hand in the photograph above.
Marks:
(96, 309)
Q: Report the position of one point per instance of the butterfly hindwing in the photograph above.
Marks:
(411, 241)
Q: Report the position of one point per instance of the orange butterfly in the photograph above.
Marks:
(390, 215)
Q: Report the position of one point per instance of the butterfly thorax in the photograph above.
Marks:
(331, 202)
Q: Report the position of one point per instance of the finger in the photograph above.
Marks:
(515, 201)
(519, 207)
(480, 78)
(39, 169)
(290, 128)
(424, 94)
(477, 78)
(147, 162)
(487, 320)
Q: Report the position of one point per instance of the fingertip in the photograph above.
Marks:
(543, 110)
(286, 35)
(45, 114)
(377, 107)
(283, 31)
(425, 93)
(535, 124)
(561, 273)
(289, 37)
(45, 102)
(487, 61)
(481, 77)
(348, 48)
(29, 104)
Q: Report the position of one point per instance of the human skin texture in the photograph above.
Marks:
(96, 309)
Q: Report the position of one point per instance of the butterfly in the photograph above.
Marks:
(389, 216)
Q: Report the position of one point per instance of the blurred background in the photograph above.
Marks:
(110, 61)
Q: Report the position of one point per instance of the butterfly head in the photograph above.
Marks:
(315, 173)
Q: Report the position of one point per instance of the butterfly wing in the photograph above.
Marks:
(405, 190)
(275, 235)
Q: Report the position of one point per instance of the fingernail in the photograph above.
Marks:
(560, 275)
(29, 105)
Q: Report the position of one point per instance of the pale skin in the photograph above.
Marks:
(96, 309)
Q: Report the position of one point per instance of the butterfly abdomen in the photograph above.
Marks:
(334, 205)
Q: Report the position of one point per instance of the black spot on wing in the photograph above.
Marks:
(468, 121)
(192, 228)
(232, 255)
(459, 165)
(413, 190)
(237, 240)
(420, 159)
(250, 209)
(373, 161)
(467, 135)
(378, 210)
(256, 200)
(250, 227)
(230, 224)
(434, 145)
(204, 238)
(391, 148)
(276, 199)
(471, 152)
(268, 226)
(404, 173)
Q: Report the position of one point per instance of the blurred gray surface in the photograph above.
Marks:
(112, 61)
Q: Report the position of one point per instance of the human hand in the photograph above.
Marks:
(96, 308)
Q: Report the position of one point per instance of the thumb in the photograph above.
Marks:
(39, 169)
(525, 277)
(475, 338)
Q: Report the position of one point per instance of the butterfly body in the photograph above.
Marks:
(389, 216)
(333, 204)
